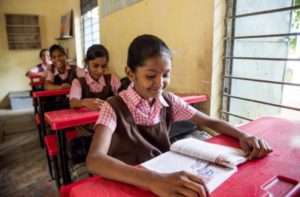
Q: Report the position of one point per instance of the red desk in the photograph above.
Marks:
(62, 119)
(34, 77)
(38, 97)
(36, 83)
(275, 175)
(66, 118)
(45, 93)
(190, 99)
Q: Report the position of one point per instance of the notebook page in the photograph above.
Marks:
(219, 154)
(170, 162)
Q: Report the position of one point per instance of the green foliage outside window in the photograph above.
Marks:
(295, 25)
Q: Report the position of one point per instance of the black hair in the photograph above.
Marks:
(95, 51)
(144, 47)
(57, 47)
(42, 51)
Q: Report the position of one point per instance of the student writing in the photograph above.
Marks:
(133, 126)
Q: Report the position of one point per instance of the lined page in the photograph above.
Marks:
(170, 162)
(219, 154)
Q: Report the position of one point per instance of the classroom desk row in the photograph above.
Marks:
(60, 120)
(278, 174)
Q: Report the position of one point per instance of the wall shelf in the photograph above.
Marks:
(65, 38)
(23, 31)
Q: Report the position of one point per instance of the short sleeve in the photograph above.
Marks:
(107, 116)
(34, 70)
(115, 84)
(76, 90)
(80, 72)
(180, 109)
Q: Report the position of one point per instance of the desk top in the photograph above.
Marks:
(66, 118)
(61, 119)
(275, 175)
(190, 99)
(34, 76)
(45, 93)
(35, 83)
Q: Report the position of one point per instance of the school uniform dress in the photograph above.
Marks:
(141, 131)
(71, 72)
(38, 68)
(86, 87)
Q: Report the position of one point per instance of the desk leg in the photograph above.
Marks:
(63, 156)
(42, 121)
(36, 111)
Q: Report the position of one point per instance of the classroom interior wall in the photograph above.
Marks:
(186, 27)
(15, 63)
(217, 58)
(192, 30)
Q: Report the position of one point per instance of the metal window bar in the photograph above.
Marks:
(263, 58)
(235, 115)
(265, 36)
(228, 44)
(263, 81)
(264, 12)
(228, 56)
(262, 102)
(89, 37)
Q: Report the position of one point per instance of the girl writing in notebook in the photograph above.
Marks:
(133, 126)
(91, 90)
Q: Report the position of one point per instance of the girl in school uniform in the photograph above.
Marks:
(41, 68)
(133, 127)
(91, 90)
(95, 87)
(60, 75)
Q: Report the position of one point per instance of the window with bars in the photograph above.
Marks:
(89, 24)
(261, 60)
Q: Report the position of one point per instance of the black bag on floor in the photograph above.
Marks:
(79, 148)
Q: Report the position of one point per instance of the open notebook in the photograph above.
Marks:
(213, 163)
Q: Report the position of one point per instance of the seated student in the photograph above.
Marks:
(133, 127)
(95, 87)
(60, 75)
(91, 90)
(41, 68)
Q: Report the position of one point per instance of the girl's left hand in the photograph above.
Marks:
(254, 147)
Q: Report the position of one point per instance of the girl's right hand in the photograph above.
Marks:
(93, 103)
(178, 184)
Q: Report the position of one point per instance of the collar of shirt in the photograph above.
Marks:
(91, 81)
(136, 99)
(68, 67)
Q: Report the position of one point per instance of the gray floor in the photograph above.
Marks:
(23, 168)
